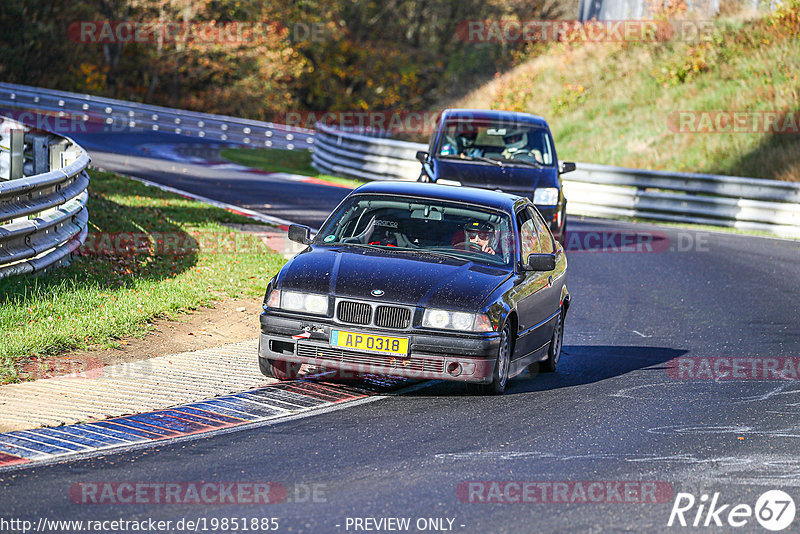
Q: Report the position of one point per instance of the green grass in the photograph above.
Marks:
(278, 160)
(611, 103)
(103, 297)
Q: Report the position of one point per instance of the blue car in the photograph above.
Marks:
(503, 150)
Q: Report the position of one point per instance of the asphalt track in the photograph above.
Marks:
(615, 411)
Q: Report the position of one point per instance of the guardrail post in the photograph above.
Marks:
(17, 154)
(68, 156)
(41, 154)
(12, 154)
(56, 151)
(5, 158)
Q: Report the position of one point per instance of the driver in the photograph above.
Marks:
(482, 234)
(517, 145)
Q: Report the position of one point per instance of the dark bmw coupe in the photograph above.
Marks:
(421, 281)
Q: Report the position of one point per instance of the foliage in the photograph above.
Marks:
(318, 55)
(634, 93)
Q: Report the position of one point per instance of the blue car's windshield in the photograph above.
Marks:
(422, 226)
(471, 139)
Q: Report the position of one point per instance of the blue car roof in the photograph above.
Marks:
(485, 197)
(494, 115)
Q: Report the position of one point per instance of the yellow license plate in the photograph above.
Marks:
(394, 346)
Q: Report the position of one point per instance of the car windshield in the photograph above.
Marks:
(421, 226)
(471, 139)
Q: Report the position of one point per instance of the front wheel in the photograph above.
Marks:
(279, 369)
(554, 352)
(500, 374)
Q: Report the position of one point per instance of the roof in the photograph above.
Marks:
(484, 197)
(494, 115)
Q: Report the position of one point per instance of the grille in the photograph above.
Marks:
(392, 317)
(368, 360)
(354, 312)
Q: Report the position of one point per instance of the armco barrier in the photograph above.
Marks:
(120, 115)
(43, 194)
(596, 190)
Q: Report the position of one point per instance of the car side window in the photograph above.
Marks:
(545, 238)
(528, 236)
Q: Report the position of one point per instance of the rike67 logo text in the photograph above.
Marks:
(774, 510)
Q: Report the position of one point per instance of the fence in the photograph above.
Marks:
(119, 115)
(597, 190)
(43, 194)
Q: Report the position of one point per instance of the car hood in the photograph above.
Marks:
(403, 278)
(510, 178)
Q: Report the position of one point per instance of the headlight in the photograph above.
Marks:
(547, 196)
(464, 322)
(303, 302)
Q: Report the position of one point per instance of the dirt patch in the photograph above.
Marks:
(229, 321)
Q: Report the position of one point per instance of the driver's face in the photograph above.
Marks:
(481, 238)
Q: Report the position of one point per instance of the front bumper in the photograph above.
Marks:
(463, 358)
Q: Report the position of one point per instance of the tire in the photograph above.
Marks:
(500, 374)
(279, 369)
(554, 352)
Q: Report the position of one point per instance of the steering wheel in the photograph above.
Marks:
(468, 245)
(531, 154)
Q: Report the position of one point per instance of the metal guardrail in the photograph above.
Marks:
(43, 194)
(364, 157)
(120, 115)
(596, 190)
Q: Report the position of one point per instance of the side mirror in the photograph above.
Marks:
(422, 156)
(566, 166)
(300, 234)
(541, 262)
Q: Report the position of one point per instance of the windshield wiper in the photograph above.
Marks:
(425, 251)
(484, 158)
(398, 249)
(533, 164)
(476, 158)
